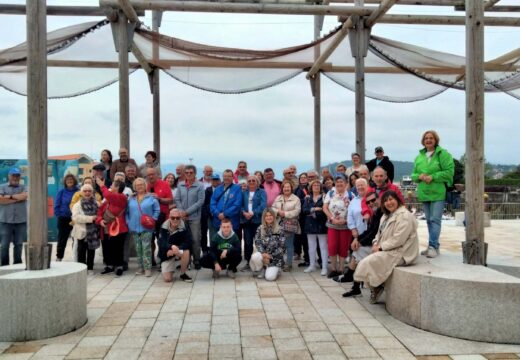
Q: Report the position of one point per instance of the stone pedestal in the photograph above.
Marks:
(447, 297)
(44, 303)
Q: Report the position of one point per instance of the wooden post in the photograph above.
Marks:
(474, 248)
(37, 250)
(317, 101)
(156, 91)
(124, 102)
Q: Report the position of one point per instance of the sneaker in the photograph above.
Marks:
(185, 277)
(261, 274)
(309, 269)
(90, 273)
(354, 292)
(107, 270)
(231, 274)
(324, 272)
(119, 271)
(431, 253)
(245, 267)
(424, 252)
(197, 266)
(344, 278)
(216, 274)
(287, 268)
(303, 264)
(148, 273)
(58, 259)
(375, 294)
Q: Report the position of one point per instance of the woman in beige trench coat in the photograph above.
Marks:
(396, 244)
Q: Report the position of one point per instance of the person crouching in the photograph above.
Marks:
(224, 252)
(174, 244)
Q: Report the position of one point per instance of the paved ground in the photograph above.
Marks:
(301, 316)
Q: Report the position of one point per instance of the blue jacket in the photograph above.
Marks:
(62, 202)
(149, 206)
(259, 204)
(228, 202)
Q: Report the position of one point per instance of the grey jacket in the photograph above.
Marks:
(190, 199)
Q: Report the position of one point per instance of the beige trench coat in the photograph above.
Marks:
(400, 246)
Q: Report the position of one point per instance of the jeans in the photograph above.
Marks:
(12, 233)
(433, 213)
(249, 236)
(289, 246)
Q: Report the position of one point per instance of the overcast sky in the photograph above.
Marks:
(273, 127)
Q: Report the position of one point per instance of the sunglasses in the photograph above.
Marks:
(370, 201)
(175, 217)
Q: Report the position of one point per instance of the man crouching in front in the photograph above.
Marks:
(174, 244)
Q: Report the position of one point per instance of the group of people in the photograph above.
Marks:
(356, 214)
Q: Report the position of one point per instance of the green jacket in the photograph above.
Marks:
(440, 168)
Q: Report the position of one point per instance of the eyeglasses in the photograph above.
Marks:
(87, 191)
(189, 172)
(370, 201)
(175, 217)
(251, 181)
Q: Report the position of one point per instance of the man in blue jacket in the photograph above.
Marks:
(226, 201)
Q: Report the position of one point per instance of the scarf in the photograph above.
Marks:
(90, 208)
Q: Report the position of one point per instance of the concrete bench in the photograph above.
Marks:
(42, 304)
(446, 297)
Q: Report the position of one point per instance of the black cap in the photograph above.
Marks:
(379, 148)
(99, 167)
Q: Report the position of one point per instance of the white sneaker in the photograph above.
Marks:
(324, 272)
(431, 253)
(261, 274)
(310, 269)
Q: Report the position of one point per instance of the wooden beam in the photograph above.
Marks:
(489, 4)
(129, 11)
(317, 99)
(497, 8)
(381, 10)
(492, 66)
(474, 251)
(409, 2)
(124, 93)
(343, 32)
(37, 250)
(503, 59)
(444, 20)
(252, 8)
(58, 10)
(141, 59)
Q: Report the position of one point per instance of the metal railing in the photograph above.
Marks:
(498, 211)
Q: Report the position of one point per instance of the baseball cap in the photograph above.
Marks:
(98, 167)
(379, 148)
(215, 177)
(14, 171)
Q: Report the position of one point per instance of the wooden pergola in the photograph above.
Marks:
(357, 23)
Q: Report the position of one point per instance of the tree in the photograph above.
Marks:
(515, 174)
(488, 168)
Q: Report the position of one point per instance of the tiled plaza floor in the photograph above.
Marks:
(300, 316)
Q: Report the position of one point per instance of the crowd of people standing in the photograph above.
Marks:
(354, 216)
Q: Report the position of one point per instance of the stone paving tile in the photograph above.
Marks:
(224, 339)
(285, 333)
(136, 331)
(55, 350)
(433, 357)
(191, 348)
(96, 352)
(256, 341)
(140, 322)
(105, 330)
(317, 336)
(500, 356)
(145, 314)
(294, 355)
(387, 342)
(374, 331)
(22, 348)
(359, 351)
(296, 343)
(225, 329)
(468, 357)
(225, 351)
(124, 342)
(194, 337)
(254, 330)
(122, 354)
(19, 356)
(267, 353)
(392, 354)
(324, 348)
(93, 341)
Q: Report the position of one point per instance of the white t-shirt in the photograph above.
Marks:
(250, 203)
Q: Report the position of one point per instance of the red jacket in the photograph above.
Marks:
(365, 209)
(116, 203)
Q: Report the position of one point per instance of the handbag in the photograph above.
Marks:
(289, 225)
(147, 221)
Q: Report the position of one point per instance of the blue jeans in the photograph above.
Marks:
(433, 213)
(12, 233)
(289, 246)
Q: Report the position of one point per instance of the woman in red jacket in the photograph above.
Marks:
(111, 218)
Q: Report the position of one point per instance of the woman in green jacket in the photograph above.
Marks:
(433, 170)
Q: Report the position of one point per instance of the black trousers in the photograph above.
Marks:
(249, 236)
(231, 261)
(64, 229)
(85, 255)
(113, 250)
